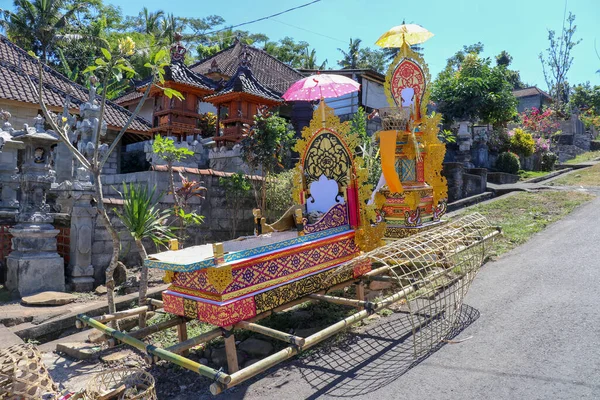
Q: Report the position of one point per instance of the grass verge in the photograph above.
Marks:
(588, 156)
(583, 177)
(526, 213)
(524, 175)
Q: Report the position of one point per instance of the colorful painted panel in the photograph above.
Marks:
(229, 314)
(284, 294)
(362, 268)
(240, 255)
(336, 216)
(259, 273)
(408, 74)
(406, 169)
(326, 155)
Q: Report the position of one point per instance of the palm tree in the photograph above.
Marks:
(36, 24)
(144, 220)
(351, 57)
(309, 60)
(150, 21)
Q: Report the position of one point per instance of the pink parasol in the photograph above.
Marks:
(316, 87)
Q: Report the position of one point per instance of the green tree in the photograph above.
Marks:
(309, 60)
(236, 189)
(144, 220)
(37, 25)
(474, 91)
(557, 61)
(264, 146)
(351, 57)
(585, 97)
(504, 60)
(112, 66)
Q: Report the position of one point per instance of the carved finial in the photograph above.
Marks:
(39, 123)
(93, 83)
(177, 49)
(245, 57)
(5, 116)
(214, 67)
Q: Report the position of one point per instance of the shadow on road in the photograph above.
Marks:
(361, 363)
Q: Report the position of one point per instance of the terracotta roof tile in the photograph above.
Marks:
(16, 65)
(530, 91)
(244, 81)
(268, 70)
(178, 72)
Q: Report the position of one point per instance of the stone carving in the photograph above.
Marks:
(34, 265)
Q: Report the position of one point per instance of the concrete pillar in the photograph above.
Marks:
(80, 270)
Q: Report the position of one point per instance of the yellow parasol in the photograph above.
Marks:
(410, 34)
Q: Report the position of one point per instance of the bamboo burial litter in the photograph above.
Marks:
(430, 273)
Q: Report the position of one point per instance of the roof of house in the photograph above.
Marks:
(530, 91)
(128, 97)
(16, 65)
(244, 81)
(268, 70)
(178, 72)
(368, 73)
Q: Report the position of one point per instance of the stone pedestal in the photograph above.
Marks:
(34, 265)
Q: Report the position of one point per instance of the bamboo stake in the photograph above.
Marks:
(360, 293)
(231, 352)
(195, 341)
(161, 353)
(263, 330)
(343, 301)
(182, 336)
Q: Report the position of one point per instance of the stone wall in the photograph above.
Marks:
(20, 115)
(214, 208)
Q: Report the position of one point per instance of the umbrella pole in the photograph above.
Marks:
(322, 107)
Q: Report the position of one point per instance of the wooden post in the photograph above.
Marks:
(360, 294)
(182, 335)
(231, 352)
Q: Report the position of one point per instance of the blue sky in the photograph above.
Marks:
(518, 26)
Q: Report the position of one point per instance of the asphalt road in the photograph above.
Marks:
(530, 330)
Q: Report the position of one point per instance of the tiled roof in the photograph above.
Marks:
(530, 91)
(16, 65)
(268, 70)
(178, 72)
(129, 96)
(244, 81)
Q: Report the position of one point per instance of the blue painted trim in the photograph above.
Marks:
(241, 255)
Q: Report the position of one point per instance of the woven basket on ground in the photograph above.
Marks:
(23, 376)
(137, 384)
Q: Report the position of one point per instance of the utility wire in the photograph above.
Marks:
(264, 18)
(309, 31)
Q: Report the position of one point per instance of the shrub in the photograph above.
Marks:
(548, 160)
(279, 194)
(508, 162)
(521, 142)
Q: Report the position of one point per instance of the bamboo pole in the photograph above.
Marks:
(149, 330)
(122, 314)
(274, 359)
(263, 330)
(155, 303)
(360, 293)
(161, 353)
(343, 301)
(195, 341)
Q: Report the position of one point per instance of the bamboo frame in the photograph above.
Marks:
(422, 266)
(275, 334)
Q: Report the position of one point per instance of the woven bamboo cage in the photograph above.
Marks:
(437, 267)
(126, 383)
(394, 118)
(23, 376)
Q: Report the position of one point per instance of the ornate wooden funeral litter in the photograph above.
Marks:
(335, 237)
